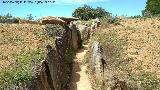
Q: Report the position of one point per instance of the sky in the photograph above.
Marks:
(67, 7)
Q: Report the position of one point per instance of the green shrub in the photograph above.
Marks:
(53, 30)
(67, 68)
(8, 20)
(87, 12)
(106, 21)
(69, 55)
(114, 20)
(22, 70)
(148, 81)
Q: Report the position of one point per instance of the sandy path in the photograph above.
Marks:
(80, 79)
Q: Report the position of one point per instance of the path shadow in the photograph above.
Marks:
(76, 68)
(75, 76)
(83, 48)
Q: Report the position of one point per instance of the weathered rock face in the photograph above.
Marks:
(96, 59)
(94, 26)
(54, 72)
(85, 31)
(74, 35)
(69, 19)
(59, 67)
(52, 20)
(104, 78)
(59, 70)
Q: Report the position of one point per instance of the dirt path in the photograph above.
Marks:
(80, 79)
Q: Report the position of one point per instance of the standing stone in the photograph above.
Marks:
(96, 59)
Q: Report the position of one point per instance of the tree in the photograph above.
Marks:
(8, 15)
(146, 13)
(87, 12)
(29, 17)
(152, 7)
(100, 12)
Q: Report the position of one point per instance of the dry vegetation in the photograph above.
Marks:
(21, 47)
(133, 51)
(132, 47)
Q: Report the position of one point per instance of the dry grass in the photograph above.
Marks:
(20, 46)
(140, 62)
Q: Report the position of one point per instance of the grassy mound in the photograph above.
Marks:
(132, 51)
(22, 47)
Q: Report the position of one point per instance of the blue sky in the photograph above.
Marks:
(66, 7)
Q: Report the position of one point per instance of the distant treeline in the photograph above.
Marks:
(8, 18)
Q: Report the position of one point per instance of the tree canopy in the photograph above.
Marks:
(152, 8)
(29, 17)
(87, 12)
